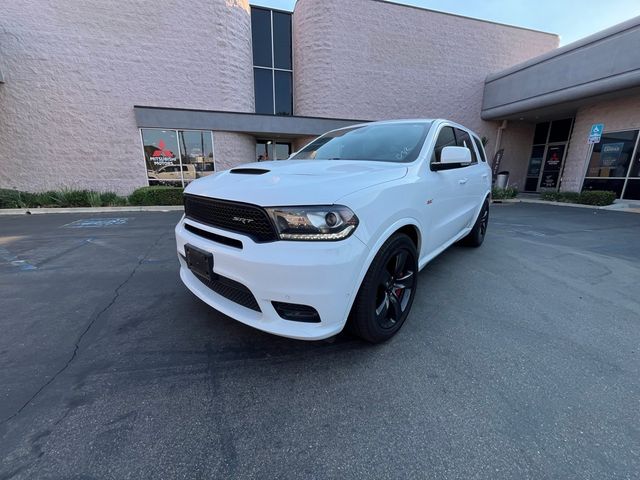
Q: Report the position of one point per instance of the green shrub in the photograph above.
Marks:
(156, 196)
(94, 199)
(63, 198)
(550, 196)
(14, 198)
(588, 197)
(112, 199)
(597, 197)
(504, 193)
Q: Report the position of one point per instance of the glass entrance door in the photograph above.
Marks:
(550, 142)
(552, 166)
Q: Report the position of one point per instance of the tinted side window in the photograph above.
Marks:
(446, 138)
(480, 149)
(464, 140)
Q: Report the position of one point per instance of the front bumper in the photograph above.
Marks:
(323, 275)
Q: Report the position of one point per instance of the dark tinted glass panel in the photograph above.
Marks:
(540, 135)
(282, 40)
(261, 36)
(635, 166)
(611, 157)
(531, 184)
(560, 130)
(604, 184)
(632, 192)
(446, 138)
(480, 149)
(161, 156)
(284, 93)
(263, 83)
(464, 140)
(535, 161)
(196, 151)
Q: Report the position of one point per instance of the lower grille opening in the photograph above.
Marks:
(297, 313)
(231, 242)
(231, 290)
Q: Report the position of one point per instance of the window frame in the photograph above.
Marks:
(180, 164)
(273, 67)
(480, 148)
(626, 178)
(432, 157)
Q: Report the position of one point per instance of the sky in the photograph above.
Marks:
(571, 19)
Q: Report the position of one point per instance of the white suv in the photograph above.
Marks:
(337, 233)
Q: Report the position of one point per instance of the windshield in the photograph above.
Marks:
(390, 142)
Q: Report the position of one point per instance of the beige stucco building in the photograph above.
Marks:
(111, 96)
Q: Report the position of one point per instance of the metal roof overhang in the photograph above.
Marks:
(602, 66)
(254, 124)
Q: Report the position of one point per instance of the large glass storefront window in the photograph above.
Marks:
(549, 149)
(176, 157)
(611, 167)
(272, 65)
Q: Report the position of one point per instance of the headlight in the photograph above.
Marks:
(330, 222)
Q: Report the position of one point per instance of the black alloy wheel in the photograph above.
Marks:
(387, 291)
(479, 230)
(395, 287)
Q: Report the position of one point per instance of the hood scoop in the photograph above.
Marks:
(249, 171)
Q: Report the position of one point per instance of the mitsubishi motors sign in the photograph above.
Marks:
(162, 155)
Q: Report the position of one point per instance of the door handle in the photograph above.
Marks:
(485, 175)
(462, 181)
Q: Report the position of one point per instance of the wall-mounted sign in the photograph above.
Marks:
(610, 154)
(596, 132)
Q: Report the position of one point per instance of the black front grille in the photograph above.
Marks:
(238, 217)
(232, 290)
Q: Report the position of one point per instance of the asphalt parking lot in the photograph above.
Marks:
(519, 360)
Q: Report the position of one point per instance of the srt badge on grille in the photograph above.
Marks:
(242, 220)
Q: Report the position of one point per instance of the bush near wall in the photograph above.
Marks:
(598, 198)
(87, 198)
(156, 196)
(503, 193)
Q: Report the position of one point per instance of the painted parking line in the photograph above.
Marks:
(7, 257)
(97, 222)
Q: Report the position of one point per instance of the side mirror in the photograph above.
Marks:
(452, 157)
(292, 155)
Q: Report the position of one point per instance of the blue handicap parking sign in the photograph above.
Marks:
(596, 132)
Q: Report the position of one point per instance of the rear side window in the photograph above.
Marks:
(464, 140)
(446, 138)
(478, 143)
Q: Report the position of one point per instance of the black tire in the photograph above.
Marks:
(479, 230)
(387, 291)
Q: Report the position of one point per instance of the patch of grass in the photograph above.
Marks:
(156, 196)
(503, 193)
(599, 198)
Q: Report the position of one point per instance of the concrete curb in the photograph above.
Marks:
(612, 207)
(38, 211)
